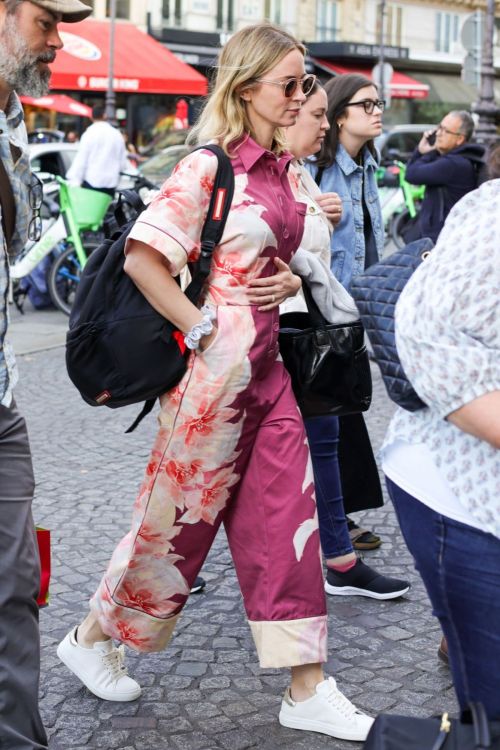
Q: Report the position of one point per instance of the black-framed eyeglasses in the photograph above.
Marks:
(368, 105)
(289, 86)
(35, 197)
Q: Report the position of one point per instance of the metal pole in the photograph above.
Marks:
(110, 93)
(381, 56)
(485, 107)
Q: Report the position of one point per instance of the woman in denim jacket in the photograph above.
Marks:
(346, 165)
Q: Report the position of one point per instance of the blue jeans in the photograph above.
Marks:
(323, 437)
(460, 567)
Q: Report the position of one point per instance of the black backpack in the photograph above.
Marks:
(119, 349)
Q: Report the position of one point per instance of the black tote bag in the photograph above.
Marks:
(328, 364)
(473, 732)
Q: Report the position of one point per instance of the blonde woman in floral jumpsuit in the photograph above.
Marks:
(231, 446)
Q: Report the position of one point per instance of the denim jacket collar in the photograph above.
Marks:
(347, 163)
(13, 112)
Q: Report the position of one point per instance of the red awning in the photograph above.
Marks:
(59, 103)
(141, 64)
(402, 86)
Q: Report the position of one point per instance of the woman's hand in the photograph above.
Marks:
(270, 292)
(331, 205)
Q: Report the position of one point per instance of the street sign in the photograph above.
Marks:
(387, 71)
(471, 71)
(471, 36)
(472, 31)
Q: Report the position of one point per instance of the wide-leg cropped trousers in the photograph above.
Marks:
(231, 449)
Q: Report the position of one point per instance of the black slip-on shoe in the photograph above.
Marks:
(361, 580)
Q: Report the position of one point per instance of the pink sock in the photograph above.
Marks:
(343, 567)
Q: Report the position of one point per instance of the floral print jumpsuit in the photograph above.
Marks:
(231, 446)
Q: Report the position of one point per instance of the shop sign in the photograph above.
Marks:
(80, 47)
(101, 82)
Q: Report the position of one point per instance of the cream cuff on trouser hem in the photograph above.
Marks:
(290, 643)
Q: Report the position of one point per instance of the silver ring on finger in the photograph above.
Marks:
(273, 298)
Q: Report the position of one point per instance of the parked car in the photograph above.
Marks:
(399, 142)
(49, 159)
(164, 140)
(44, 135)
(159, 167)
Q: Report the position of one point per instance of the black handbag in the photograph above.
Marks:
(376, 292)
(472, 732)
(328, 364)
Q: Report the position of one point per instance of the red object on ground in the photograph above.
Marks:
(141, 64)
(43, 540)
(59, 103)
(401, 85)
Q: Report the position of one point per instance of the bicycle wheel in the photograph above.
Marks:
(64, 276)
(397, 226)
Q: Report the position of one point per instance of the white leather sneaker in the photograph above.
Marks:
(100, 668)
(328, 712)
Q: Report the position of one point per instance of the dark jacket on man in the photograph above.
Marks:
(447, 177)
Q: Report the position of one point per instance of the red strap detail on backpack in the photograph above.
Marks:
(220, 199)
(179, 337)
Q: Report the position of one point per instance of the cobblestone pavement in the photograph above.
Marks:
(206, 692)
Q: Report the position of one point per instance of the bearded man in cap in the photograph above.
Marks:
(29, 41)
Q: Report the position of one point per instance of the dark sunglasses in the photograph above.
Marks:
(35, 197)
(368, 105)
(290, 85)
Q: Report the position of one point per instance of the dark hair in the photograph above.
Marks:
(466, 122)
(493, 161)
(317, 86)
(340, 91)
(98, 112)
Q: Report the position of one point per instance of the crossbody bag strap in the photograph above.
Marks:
(213, 228)
(319, 175)
(8, 205)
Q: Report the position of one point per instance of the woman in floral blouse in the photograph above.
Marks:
(231, 446)
(443, 462)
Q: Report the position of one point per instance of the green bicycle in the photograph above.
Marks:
(83, 212)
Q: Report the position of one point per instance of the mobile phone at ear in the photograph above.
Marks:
(431, 138)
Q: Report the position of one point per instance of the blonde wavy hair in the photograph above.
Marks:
(249, 54)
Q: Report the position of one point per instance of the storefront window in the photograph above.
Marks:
(393, 28)
(327, 25)
(171, 11)
(273, 11)
(447, 27)
(225, 15)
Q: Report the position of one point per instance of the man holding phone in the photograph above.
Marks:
(448, 165)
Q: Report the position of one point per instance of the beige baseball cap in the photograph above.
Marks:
(70, 10)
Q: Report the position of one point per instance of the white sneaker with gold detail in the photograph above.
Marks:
(328, 712)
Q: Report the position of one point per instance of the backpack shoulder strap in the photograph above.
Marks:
(213, 228)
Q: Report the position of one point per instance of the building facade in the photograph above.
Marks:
(423, 40)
